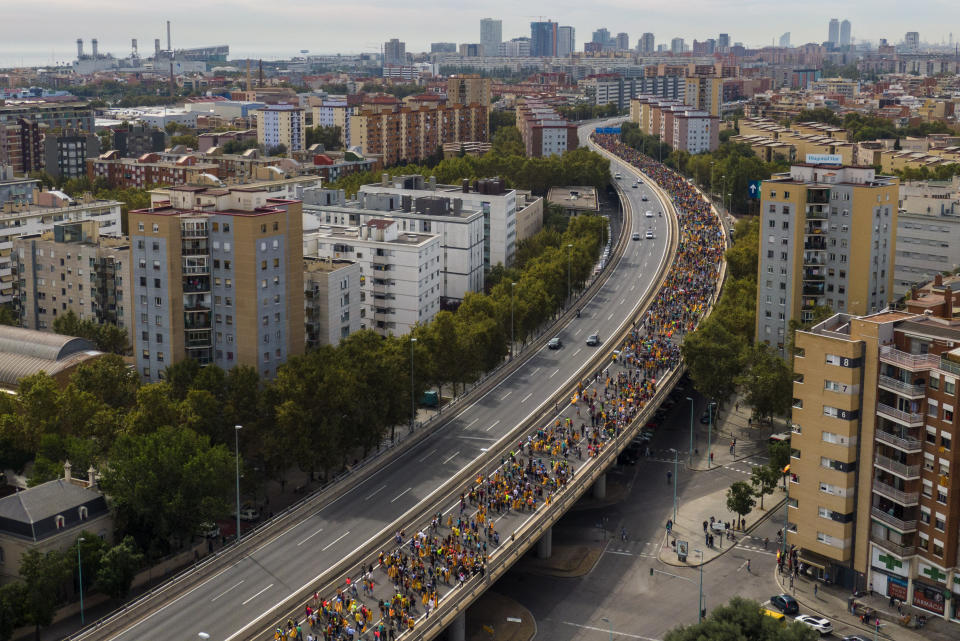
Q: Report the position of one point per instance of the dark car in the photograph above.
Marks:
(627, 458)
(785, 603)
(705, 418)
(555, 343)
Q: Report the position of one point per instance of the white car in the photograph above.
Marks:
(649, 214)
(643, 198)
(821, 625)
(636, 235)
(617, 176)
(649, 235)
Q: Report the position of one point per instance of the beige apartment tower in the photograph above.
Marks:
(217, 277)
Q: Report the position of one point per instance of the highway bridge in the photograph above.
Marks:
(244, 593)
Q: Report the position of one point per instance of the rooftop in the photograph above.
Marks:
(24, 352)
(580, 198)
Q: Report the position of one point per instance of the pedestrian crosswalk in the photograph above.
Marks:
(755, 544)
(646, 549)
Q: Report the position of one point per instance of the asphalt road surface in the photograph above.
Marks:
(239, 597)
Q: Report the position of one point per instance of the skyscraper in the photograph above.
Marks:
(543, 39)
(623, 41)
(566, 41)
(394, 53)
(647, 44)
(845, 33)
(676, 45)
(912, 40)
(785, 40)
(491, 35)
(723, 43)
(833, 34)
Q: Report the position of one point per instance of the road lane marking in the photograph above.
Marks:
(554, 373)
(606, 630)
(309, 537)
(471, 423)
(495, 423)
(578, 331)
(257, 594)
(227, 590)
(426, 456)
(524, 399)
(610, 316)
(375, 492)
(623, 300)
(401, 494)
(479, 438)
(451, 457)
(338, 539)
(578, 351)
(633, 287)
(504, 397)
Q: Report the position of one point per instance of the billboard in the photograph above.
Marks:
(824, 159)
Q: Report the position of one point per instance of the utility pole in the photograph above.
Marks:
(413, 404)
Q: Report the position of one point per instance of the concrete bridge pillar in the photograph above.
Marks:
(600, 487)
(545, 544)
(457, 630)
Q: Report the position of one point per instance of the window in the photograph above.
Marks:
(60, 522)
(82, 512)
(949, 387)
(947, 414)
(934, 382)
(158, 301)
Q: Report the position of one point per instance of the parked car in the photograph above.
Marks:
(593, 340)
(209, 529)
(820, 624)
(785, 603)
(249, 513)
(555, 343)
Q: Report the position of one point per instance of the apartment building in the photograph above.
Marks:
(147, 170)
(704, 92)
(55, 116)
(500, 207)
(602, 89)
(871, 492)
(47, 209)
(928, 226)
(809, 256)
(336, 112)
(136, 140)
(72, 268)
(410, 134)
(849, 89)
(217, 277)
(65, 154)
(400, 271)
(331, 299)
(544, 132)
(21, 145)
(14, 189)
(468, 89)
(281, 125)
(461, 231)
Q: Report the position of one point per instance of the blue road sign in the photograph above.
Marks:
(754, 189)
(608, 130)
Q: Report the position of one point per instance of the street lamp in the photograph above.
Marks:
(236, 445)
(512, 287)
(609, 626)
(569, 256)
(700, 600)
(80, 574)
(676, 462)
(709, 432)
(690, 398)
(413, 405)
(786, 515)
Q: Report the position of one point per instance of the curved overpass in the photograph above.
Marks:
(240, 600)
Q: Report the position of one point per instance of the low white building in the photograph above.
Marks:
(490, 196)
(48, 208)
(460, 230)
(400, 272)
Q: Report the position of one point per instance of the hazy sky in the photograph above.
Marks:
(41, 32)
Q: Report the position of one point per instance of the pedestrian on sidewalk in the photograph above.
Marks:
(748, 565)
(815, 589)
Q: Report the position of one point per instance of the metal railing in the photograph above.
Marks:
(896, 548)
(906, 444)
(890, 354)
(895, 467)
(889, 519)
(892, 493)
(896, 385)
(914, 419)
(949, 366)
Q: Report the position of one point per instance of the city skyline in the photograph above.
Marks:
(337, 29)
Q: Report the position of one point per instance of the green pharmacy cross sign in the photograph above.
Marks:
(889, 561)
(935, 574)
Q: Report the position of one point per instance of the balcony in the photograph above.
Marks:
(813, 290)
(912, 362)
(903, 498)
(901, 388)
(895, 548)
(949, 366)
(815, 243)
(892, 521)
(814, 259)
(902, 470)
(909, 445)
(908, 418)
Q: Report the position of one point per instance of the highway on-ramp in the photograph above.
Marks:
(230, 603)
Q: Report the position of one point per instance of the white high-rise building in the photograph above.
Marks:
(676, 45)
(491, 35)
(647, 44)
(845, 33)
(833, 32)
(566, 41)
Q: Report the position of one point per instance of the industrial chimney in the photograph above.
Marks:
(156, 48)
(79, 47)
(133, 45)
(169, 48)
(93, 43)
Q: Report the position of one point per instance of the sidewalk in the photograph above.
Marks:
(831, 602)
(733, 423)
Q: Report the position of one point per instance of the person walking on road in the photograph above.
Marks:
(669, 476)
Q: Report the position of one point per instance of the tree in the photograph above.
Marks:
(7, 315)
(764, 480)
(45, 577)
(768, 383)
(167, 482)
(279, 149)
(740, 499)
(714, 359)
(109, 379)
(12, 598)
(118, 567)
(107, 337)
(739, 620)
(779, 456)
(329, 137)
(743, 256)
